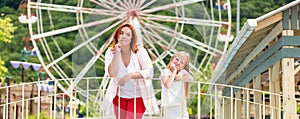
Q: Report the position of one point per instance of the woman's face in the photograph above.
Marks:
(179, 62)
(125, 36)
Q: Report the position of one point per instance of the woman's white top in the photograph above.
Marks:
(173, 99)
(142, 64)
(131, 88)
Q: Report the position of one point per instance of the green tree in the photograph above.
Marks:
(6, 34)
(6, 29)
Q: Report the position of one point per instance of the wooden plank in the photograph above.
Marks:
(246, 99)
(257, 97)
(297, 70)
(274, 87)
(288, 90)
(286, 19)
(297, 32)
(269, 21)
(288, 33)
(238, 105)
(277, 30)
(282, 53)
(294, 18)
(261, 60)
(226, 108)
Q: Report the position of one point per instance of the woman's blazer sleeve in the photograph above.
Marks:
(145, 64)
(108, 60)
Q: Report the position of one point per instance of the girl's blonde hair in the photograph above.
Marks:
(186, 67)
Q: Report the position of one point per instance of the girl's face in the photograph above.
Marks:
(125, 36)
(179, 62)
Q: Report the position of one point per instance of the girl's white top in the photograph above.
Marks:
(173, 99)
(174, 96)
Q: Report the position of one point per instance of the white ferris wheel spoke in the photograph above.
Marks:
(121, 4)
(157, 58)
(157, 36)
(153, 35)
(193, 21)
(147, 39)
(83, 44)
(154, 29)
(177, 4)
(188, 40)
(146, 5)
(89, 65)
(108, 4)
(72, 28)
(136, 3)
(130, 3)
(73, 9)
(140, 3)
(103, 3)
(162, 29)
(126, 3)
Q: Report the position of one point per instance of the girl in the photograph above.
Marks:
(130, 68)
(175, 87)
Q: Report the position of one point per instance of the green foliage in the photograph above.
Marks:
(42, 116)
(298, 109)
(250, 9)
(6, 34)
(205, 76)
(3, 69)
(6, 29)
(92, 109)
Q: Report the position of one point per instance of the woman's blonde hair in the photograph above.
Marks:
(133, 43)
(186, 67)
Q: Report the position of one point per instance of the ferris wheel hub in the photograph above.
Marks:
(133, 13)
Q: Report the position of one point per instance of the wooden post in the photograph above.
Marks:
(288, 83)
(238, 105)
(8, 96)
(226, 108)
(274, 87)
(257, 97)
(246, 99)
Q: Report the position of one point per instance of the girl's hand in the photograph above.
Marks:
(173, 67)
(178, 78)
(123, 80)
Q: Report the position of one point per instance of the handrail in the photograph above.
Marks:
(214, 99)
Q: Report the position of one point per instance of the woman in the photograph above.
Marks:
(131, 69)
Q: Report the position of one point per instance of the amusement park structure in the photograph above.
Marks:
(256, 77)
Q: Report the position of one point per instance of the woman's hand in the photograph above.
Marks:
(123, 80)
(116, 49)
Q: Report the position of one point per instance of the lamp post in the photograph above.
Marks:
(40, 76)
(8, 78)
(24, 63)
(298, 86)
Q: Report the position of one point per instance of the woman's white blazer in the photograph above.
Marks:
(143, 64)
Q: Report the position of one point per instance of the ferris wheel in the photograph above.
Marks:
(164, 27)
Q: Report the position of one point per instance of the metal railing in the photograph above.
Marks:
(206, 101)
